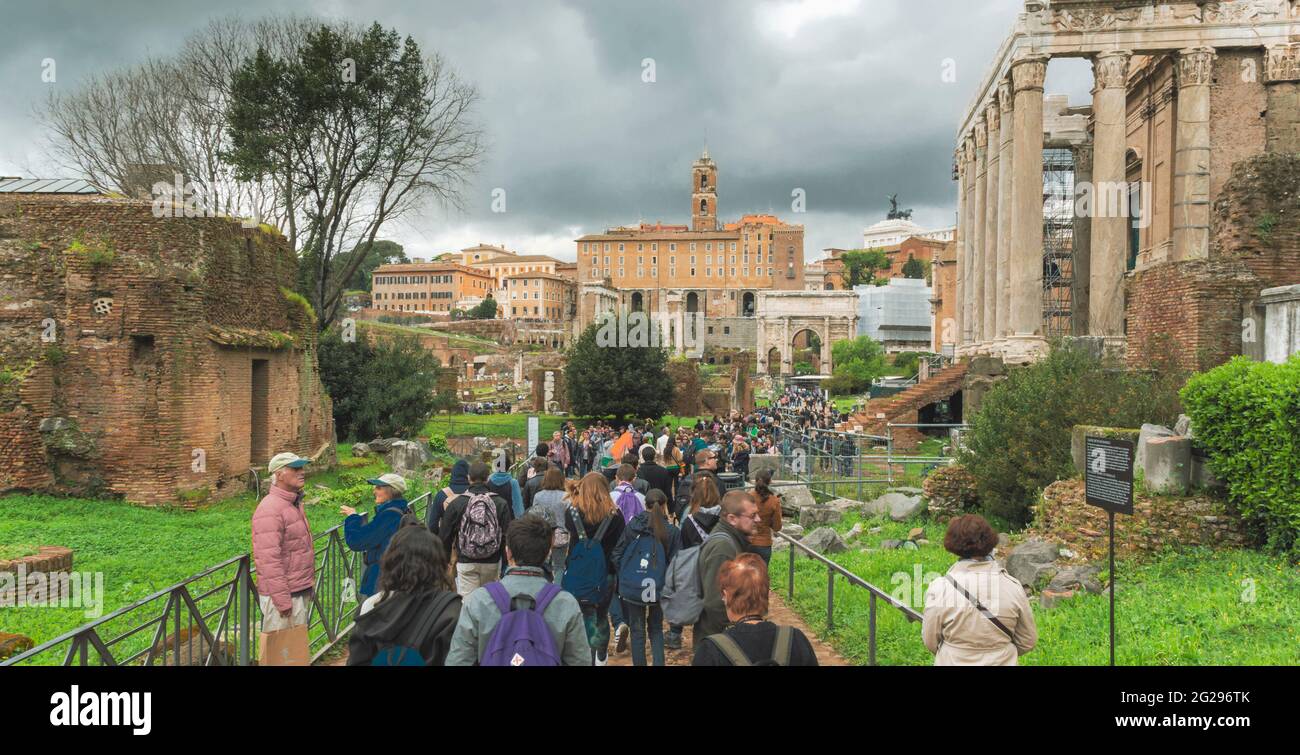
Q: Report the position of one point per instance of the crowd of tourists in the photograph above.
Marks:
(612, 535)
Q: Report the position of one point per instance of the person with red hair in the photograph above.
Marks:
(751, 640)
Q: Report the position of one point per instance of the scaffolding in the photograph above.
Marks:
(1058, 241)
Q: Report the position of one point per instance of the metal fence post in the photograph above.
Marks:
(790, 592)
(872, 630)
(244, 584)
(830, 599)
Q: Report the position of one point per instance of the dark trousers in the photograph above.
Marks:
(641, 619)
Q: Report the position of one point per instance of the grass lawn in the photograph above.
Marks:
(473, 343)
(1200, 607)
(516, 425)
(141, 550)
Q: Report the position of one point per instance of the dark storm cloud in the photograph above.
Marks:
(841, 98)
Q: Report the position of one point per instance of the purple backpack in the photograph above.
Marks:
(521, 638)
(628, 503)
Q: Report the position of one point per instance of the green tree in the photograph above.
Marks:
(355, 128)
(860, 265)
(484, 310)
(381, 390)
(907, 363)
(857, 361)
(913, 268)
(604, 379)
(382, 252)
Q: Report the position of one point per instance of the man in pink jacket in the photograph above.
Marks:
(282, 547)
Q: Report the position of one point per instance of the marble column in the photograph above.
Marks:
(1282, 88)
(959, 269)
(1026, 314)
(968, 252)
(1081, 248)
(1109, 204)
(993, 117)
(1006, 205)
(1191, 230)
(978, 226)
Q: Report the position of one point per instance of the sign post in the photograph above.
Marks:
(1108, 483)
(532, 433)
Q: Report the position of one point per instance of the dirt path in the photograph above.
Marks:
(777, 612)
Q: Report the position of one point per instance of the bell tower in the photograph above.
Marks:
(704, 194)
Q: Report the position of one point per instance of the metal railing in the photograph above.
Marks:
(875, 593)
(207, 619)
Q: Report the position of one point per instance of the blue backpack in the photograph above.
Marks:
(586, 575)
(641, 569)
(521, 638)
(406, 651)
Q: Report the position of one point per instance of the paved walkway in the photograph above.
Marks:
(778, 613)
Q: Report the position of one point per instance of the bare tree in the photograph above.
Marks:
(129, 129)
(396, 137)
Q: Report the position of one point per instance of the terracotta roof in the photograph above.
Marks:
(517, 258)
(538, 274)
(429, 267)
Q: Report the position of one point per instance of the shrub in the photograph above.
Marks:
(1019, 440)
(382, 390)
(438, 444)
(1246, 415)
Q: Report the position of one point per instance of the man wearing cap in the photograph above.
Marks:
(371, 538)
(282, 547)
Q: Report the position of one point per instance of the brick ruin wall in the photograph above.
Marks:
(160, 328)
(1194, 309)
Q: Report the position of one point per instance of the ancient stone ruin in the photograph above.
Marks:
(153, 358)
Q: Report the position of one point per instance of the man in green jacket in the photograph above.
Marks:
(728, 539)
(528, 544)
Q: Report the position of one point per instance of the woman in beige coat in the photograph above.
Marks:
(976, 614)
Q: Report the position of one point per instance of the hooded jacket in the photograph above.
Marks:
(371, 538)
(706, 519)
(283, 553)
(390, 621)
(506, 486)
(459, 484)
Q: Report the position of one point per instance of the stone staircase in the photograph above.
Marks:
(904, 407)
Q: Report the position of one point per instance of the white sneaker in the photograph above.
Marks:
(620, 638)
(604, 662)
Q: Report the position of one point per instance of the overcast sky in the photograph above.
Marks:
(844, 99)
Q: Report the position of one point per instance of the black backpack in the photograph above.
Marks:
(405, 650)
(781, 649)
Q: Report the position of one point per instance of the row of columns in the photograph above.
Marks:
(1000, 174)
(1000, 166)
